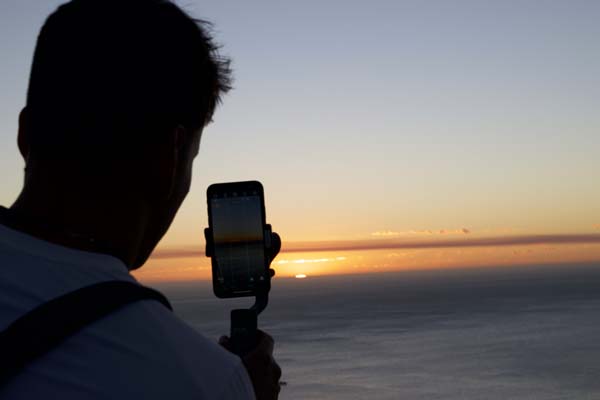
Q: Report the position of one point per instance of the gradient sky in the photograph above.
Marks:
(385, 119)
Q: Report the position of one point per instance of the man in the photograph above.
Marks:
(119, 93)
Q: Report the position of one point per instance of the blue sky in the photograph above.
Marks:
(384, 115)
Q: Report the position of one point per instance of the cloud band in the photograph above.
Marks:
(389, 244)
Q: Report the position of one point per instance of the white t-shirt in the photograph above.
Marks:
(141, 351)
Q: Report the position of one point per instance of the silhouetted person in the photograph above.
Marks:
(119, 93)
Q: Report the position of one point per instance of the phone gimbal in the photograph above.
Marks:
(244, 322)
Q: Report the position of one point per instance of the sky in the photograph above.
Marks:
(402, 125)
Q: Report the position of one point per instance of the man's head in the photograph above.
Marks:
(119, 93)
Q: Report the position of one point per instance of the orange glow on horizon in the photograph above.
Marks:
(292, 264)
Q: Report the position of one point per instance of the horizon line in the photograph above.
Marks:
(391, 244)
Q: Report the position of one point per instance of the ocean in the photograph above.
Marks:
(491, 333)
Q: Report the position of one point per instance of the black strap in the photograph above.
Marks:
(49, 324)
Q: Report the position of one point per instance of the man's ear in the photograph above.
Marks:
(160, 169)
(176, 144)
(23, 133)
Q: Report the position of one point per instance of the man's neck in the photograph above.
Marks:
(84, 220)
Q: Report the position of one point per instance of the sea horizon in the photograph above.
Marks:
(493, 333)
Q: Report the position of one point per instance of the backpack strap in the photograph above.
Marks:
(48, 325)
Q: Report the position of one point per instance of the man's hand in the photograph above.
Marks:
(262, 368)
(273, 250)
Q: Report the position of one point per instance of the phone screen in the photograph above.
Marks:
(238, 237)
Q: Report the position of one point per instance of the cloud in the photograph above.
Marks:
(385, 233)
(308, 260)
(395, 255)
(521, 240)
(388, 233)
(179, 252)
(398, 244)
(464, 231)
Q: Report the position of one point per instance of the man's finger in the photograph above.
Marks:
(276, 372)
(275, 245)
(225, 342)
(265, 343)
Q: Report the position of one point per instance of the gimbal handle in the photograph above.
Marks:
(244, 322)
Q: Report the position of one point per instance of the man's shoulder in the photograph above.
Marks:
(149, 322)
(142, 350)
(168, 349)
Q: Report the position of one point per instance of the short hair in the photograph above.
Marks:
(108, 71)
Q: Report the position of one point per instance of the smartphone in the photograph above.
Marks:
(237, 222)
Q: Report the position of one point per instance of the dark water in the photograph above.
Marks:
(504, 333)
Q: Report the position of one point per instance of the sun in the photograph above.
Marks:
(300, 276)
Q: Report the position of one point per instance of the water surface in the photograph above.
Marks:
(494, 333)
